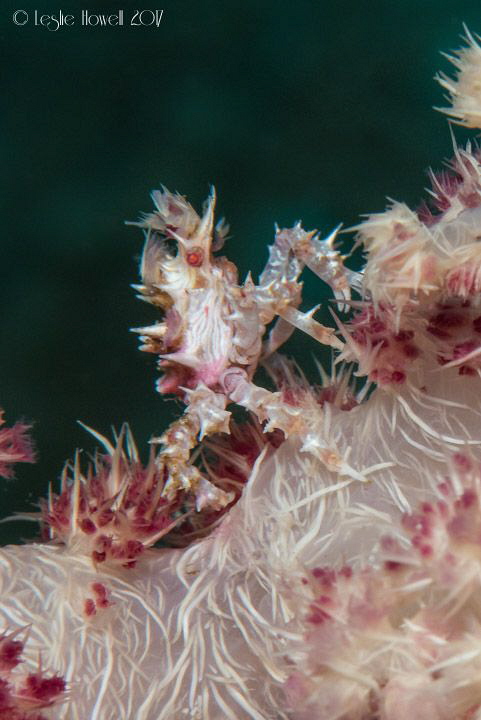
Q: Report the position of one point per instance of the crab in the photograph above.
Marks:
(211, 339)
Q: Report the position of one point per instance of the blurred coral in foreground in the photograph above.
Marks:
(22, 692)
(320, 546)
(401, 637)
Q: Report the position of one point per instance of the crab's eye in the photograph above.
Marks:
(195, 257)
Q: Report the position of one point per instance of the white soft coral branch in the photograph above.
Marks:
(465, 89)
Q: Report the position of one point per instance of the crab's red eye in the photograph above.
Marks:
(195, 257)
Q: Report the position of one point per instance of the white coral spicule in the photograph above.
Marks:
(205, 633)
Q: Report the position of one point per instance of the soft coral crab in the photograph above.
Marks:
(210, 342)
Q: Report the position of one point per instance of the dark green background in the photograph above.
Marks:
(309, 110)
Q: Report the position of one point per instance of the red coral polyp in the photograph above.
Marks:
(38, 691)
(10, 652)
(15, 446)
(24, 692)
(115, 510)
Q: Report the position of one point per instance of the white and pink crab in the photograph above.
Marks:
(211, 340)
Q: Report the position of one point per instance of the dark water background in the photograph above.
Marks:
(309, 110)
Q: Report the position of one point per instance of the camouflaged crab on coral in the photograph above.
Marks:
(320, 560)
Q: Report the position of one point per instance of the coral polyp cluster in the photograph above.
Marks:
(24, 694)
(289, 551)
(15, 446)
(421, 282)
(115, 510)
(464, 90)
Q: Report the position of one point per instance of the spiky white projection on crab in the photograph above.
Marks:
(282, 589)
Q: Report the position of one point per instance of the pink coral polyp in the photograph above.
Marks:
(15, 446)
(24, 693)
(115, 510)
